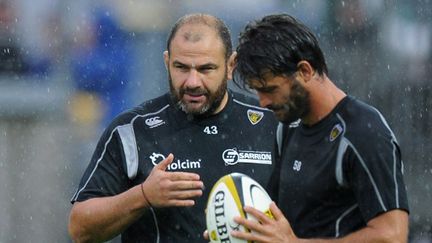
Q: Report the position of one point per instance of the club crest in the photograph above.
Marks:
(335, 132)
(255, 116)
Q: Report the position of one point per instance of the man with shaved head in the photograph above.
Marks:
(154, 166)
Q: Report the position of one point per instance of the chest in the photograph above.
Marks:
(211, 150)
(308, 167)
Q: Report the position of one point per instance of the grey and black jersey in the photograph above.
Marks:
(331, 178)
(240, 138)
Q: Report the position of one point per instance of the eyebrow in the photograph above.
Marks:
(265, 88)
(202, 66)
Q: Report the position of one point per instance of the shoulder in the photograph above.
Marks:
(150, 108)
(356, 106)
(363, 121)
(249, 106)
(246, 101)
(153, 106)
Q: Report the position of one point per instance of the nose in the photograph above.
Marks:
(264, 99)
(193, 79)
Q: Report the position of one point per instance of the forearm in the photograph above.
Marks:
(100, 219)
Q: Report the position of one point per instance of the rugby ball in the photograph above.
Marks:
(226, 200)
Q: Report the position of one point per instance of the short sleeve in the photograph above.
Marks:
(105, 175)
(375, 173)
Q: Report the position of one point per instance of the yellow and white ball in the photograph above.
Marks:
(226, 200)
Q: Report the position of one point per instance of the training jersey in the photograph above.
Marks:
(240, 138)
(331, 178)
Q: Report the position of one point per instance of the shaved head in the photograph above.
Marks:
(192, 36)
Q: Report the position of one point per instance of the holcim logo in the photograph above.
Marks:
(187, 164)
(156, 158)
(176, 164)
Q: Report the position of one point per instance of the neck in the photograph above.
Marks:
(324, 97)
(222, 104)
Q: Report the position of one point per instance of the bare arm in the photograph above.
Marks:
(100, 219)
(391, 226)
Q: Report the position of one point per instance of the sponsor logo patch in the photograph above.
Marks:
(335, 132)
(153, 122)
(234, 156)
(156, 158)
(295, 123)
(177, 164)
(255, 116)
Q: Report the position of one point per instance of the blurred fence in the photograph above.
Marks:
(35, 166)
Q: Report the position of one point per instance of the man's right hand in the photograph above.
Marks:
(166, 189)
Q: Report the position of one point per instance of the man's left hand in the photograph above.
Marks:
(271, 230)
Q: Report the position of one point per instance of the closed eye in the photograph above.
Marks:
(181, 67)
(266, 89)
(206, 68)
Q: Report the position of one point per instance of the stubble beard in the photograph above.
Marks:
(213, 100)
(296, 107)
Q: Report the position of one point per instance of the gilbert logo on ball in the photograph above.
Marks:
(226, 200)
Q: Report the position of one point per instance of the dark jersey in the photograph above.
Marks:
(238, 139)
(333, 177)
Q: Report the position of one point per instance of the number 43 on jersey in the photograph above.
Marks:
(211, 130)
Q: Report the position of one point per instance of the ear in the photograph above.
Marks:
(231, 64)
(166, 59)
(305, 70)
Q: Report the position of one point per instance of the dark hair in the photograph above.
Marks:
(276, 44)
(209, 20)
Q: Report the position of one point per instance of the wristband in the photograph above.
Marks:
(144, 195)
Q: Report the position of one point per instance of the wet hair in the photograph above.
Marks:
(275, 45)
(206, 19)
